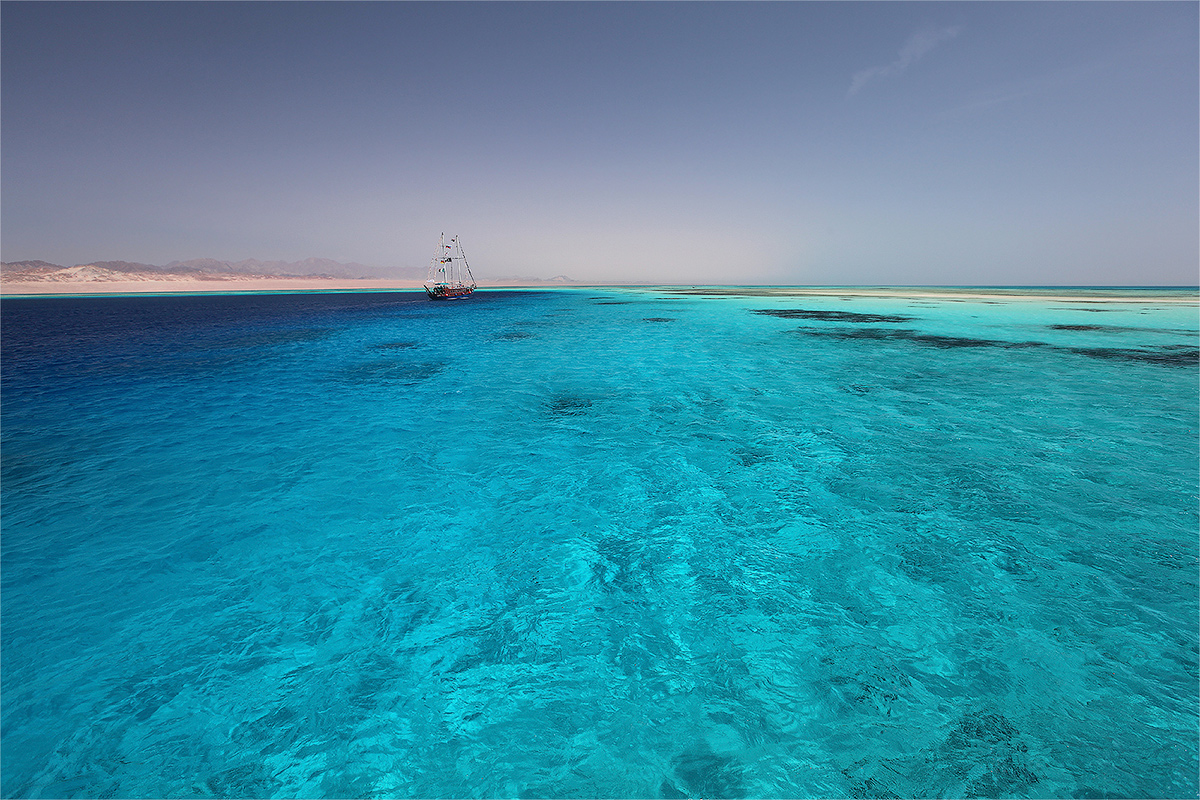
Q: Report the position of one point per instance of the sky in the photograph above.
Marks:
(843, 143)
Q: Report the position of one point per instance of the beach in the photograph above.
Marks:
(258, 284)
(191, 285)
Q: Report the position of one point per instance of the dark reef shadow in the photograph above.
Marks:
(830, 316)
(569, 406)
(1166, 356)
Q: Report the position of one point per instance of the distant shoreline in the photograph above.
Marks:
(233, 286)
(259, 285)
(1066, 294)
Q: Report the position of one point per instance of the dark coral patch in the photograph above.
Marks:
(1104, 328)
(948, 342)
(568, 406)
(829, 316)
(705, 774)
(1167, 356)
(905, 334)
(1173, 356)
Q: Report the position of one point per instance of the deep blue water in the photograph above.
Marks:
(599, 543)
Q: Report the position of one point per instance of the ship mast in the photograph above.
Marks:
(463, 255)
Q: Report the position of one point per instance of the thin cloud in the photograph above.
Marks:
(913, 51)
(1032, 87)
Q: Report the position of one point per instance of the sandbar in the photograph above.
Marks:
(1125, 294)
(258, 284)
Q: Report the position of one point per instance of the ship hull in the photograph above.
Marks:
(448, 292)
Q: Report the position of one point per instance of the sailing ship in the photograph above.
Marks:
(450, 276)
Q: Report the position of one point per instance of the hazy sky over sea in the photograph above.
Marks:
(806, 142)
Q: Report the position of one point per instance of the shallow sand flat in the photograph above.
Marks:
(985, 294)
(228, 285)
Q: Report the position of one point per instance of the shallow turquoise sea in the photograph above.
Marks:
(599, 543)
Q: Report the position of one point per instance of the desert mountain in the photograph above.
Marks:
(200, 267)
(252, 266)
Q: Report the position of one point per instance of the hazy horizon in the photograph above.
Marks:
(990, 144)
(406, 274)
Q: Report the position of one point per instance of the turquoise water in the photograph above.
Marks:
(599, 543)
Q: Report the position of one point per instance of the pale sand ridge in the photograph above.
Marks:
(225, 285)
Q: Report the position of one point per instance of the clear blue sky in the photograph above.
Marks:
(807, 143)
